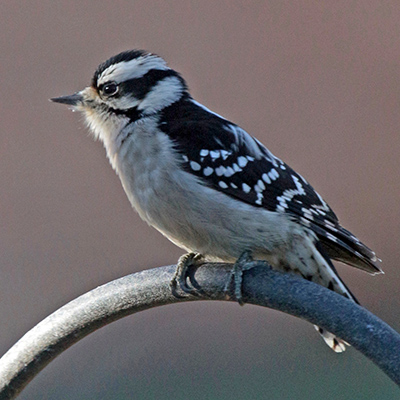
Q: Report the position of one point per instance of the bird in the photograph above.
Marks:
(209, 186)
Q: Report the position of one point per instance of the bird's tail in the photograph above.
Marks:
(329, 278)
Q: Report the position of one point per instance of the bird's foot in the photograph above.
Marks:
(243, 263)
(185, 267)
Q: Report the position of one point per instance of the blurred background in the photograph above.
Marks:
(317, 81)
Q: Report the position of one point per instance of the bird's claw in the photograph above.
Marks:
(243, 263)
(184, 267)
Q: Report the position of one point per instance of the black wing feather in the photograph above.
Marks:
(228, 159)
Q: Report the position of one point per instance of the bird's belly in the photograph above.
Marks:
(208, 222)
(192, 215)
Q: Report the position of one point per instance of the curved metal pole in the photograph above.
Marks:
(150, 288)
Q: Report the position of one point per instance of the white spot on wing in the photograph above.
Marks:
(195, 166)
(215, 154)
(305, 221)
(273, 174)
(330, 225)
(242, 161)
(246, 188)
(288, 195)
(259, 199)
(265, 178)
(208, 171)
(225, 154)
(331, 237)
(220, 170)
(229, 172)
(236, 168)
(307, 213)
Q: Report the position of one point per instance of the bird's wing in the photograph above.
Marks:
(233, 162)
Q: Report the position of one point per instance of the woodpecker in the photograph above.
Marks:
(206, 184)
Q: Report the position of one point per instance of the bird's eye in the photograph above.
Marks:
(110, 88)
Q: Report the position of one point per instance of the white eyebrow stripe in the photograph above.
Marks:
(131, 69)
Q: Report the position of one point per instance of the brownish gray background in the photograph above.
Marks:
(317, 81)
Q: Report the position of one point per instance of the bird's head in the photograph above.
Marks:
(126, 87)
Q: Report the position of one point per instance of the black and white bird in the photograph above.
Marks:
(206, 184)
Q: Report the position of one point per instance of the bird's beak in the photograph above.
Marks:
(72, 100)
